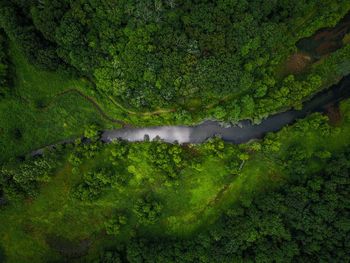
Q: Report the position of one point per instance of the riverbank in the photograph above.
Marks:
(242, 132)
(209, 181)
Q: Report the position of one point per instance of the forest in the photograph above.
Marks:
(70, 70)
(215, 57)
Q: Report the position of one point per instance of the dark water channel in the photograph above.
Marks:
(240, 133)
(323, 42)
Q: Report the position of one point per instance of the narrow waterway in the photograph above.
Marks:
(323, 42)
(240, 133)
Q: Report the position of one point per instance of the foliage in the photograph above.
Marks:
(306, 220)
(109, 257)
(25, 177)
(113, 225)
(93, 184)
(3, 65)
(37, 111)
(169, 159)
(147, 210)
(141, 62)
(247, 190)
(160, 51)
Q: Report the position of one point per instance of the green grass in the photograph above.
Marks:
(198, 198)
(39, 112)
(261, 173)
(190, 204)
(53, 213)
(195, 191)
(31, 117)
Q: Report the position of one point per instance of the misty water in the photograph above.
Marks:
(239, 133)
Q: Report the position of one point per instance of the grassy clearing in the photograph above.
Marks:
(26, 123)
(262, 172)
(198, 197)
(40, 111)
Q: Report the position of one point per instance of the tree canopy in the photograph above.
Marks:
(170, 53)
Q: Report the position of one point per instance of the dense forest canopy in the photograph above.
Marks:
(70, 69)
(183, 54)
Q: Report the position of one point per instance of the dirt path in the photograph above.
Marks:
(101, 111)
(156, 112)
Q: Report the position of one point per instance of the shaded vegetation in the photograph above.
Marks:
(150, 55)
(69, 69)
(4, 71)
(264, 196)
(306, 220)
(31, 114)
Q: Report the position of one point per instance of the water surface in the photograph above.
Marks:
(240, 133)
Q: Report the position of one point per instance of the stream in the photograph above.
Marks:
(242, 132)
(322, 43)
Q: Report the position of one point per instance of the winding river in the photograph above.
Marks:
(240, 133)
(323, 42)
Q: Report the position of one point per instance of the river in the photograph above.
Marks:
(243, 132)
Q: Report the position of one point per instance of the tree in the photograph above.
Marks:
(24, 178)
(304, 220)
(113, 225)
(147, 210)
